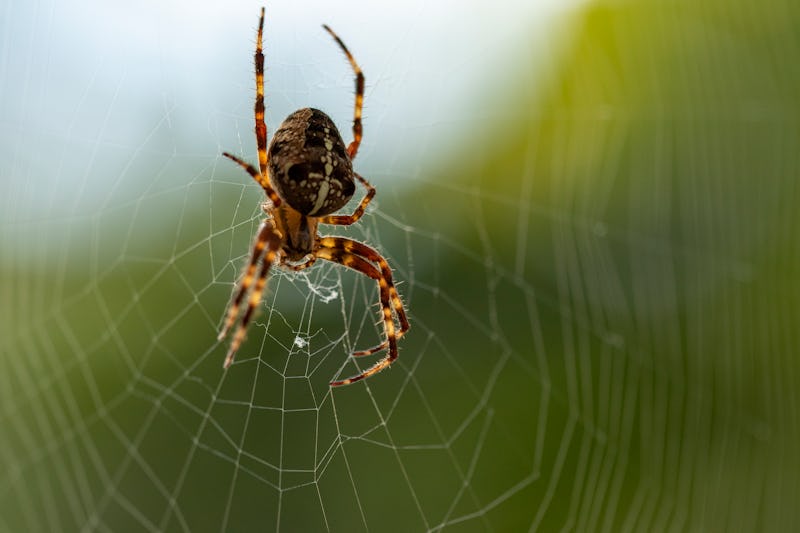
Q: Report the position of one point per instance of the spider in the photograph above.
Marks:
(307, 174)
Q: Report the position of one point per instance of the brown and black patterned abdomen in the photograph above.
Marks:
(308, 164)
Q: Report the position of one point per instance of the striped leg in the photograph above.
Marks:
(346, 220)
(256, 175)
(269, 239)
(365, 251)
(352, 149)
(261, 126)
(357, 256)
(261, 175)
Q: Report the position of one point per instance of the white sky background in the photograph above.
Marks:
(87, 88)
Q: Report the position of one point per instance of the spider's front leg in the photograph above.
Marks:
(346, 220)
(352, 148)
(265, 248)
(258, 176)
(261, 126)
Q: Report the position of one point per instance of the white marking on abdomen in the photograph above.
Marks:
(322, 195)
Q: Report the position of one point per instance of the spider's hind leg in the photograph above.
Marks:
(357, 256)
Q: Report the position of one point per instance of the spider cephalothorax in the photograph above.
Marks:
(307, 174)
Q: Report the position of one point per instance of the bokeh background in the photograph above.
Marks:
(590, 208)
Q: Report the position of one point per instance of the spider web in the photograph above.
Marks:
(591, 216)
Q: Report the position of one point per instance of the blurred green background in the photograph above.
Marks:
(591, 211)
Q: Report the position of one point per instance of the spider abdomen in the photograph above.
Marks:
(308, 164)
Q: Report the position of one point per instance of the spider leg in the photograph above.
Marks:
(372, 255)
(385, 344)
(357, 256)
(262, 237)
(346, 220)
(259, 177)
(393, 296)
(352, 148)
(261, 126)
(368, 253)
(355, 262)
(267, 237)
